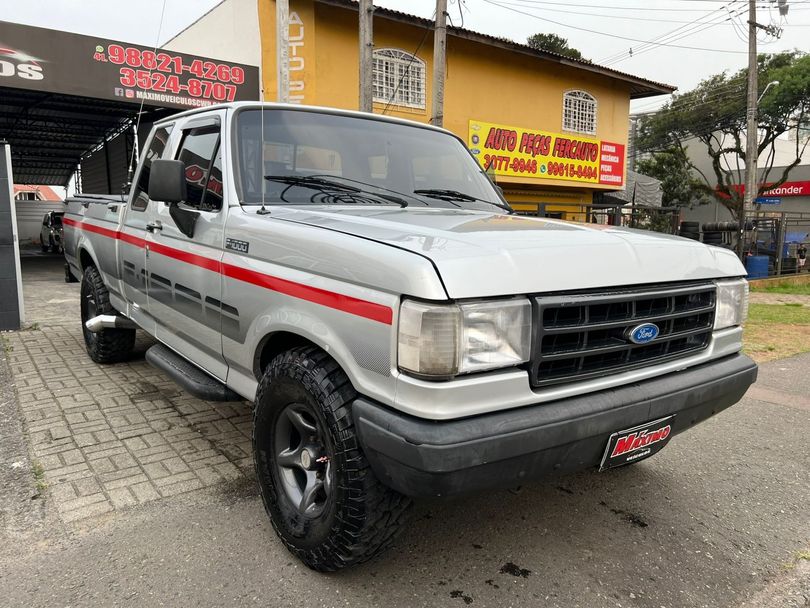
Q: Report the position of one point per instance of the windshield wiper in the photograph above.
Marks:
(343, 193)
(308, 181)
(455, 195)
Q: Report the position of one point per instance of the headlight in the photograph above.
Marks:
(732, 303)
(450, 339)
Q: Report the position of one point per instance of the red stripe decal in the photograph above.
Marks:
(330, 299)
(185, 256)
(355, 306)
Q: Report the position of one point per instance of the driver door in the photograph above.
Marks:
(185, 284)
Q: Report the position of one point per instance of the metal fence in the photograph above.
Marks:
(778, 235)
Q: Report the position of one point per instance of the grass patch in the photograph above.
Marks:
(791, 314)
(775, 331)
(797, 289)
(39, 477)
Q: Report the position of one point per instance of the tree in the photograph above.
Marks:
(714, 115)
(679, 186)
(553, 43)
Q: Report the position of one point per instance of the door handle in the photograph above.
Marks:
(112, 207)
(153, 226)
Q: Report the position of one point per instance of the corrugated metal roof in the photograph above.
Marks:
(50, 132)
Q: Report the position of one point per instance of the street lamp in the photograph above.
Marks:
(772, 83)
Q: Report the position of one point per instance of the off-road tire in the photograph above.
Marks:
(69, 278)
(107, 345)
(360, 517)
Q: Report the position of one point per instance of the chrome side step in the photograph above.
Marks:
(96, 324)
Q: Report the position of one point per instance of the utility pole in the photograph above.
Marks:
(751, 143)
(439, 63)
(366, 55)
(283, 50)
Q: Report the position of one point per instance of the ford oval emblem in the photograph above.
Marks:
(644, 333)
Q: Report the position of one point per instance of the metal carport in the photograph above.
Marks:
(68, 105)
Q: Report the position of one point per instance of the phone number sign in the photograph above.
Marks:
(62, 62)
(519, 152)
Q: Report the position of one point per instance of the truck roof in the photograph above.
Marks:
(235, 105)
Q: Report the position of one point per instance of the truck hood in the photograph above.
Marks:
(480, 254)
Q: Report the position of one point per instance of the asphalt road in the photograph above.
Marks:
(716, 519)
(710, 521)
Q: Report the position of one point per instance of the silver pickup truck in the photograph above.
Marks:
(399, 329)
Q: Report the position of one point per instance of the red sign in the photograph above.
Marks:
(611, 164)
(786, 189)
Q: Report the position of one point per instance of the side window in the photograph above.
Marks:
(156, 147)
(212, 200)
(199, 147)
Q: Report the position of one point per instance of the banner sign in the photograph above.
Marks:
(520, 152)
(61, 62)
(768, 200)
(787, 189)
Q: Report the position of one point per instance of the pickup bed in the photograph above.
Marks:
(399, 329)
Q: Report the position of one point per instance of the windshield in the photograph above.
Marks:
(314, 158)
(57, 219)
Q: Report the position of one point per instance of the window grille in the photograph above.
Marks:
(399, 78)
(579, 112)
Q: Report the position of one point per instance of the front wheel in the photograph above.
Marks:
(108, 345)
(323, 500)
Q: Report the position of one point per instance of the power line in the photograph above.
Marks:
(600, 33)
(515, 3)
(428, 28)
(677, 34)
(620, 8)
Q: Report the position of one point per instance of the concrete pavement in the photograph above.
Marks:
(716, 519)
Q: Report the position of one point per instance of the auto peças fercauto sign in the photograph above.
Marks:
(522, 152)
(61, 62)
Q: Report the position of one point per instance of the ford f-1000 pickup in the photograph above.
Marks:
(399, 329)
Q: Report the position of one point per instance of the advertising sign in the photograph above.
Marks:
(521, 152)
(768, 200)
(60, 62)
(788, 189)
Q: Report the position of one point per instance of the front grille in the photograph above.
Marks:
(583, 336)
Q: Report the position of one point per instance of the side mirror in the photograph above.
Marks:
(167, 181)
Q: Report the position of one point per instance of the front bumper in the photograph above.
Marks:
(421, 457)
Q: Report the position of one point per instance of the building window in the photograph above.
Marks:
(399, 78)
(27, 196)
(579, 112)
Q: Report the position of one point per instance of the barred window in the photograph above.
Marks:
(579, 112)
(399, 78)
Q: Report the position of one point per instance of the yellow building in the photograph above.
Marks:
(552, 131)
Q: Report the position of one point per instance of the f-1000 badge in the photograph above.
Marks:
(234, 245)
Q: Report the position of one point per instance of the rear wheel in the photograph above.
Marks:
(323, 500)
(107, 345)
(69, 278)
